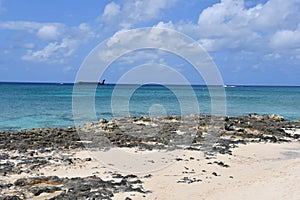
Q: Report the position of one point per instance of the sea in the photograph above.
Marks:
(41, 105)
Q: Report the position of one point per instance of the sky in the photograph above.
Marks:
(252, 42)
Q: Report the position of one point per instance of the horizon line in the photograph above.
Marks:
(83, 82)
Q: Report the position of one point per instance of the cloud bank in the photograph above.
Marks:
(271, 28)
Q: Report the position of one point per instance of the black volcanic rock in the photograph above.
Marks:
(154, 133)
(91, 187)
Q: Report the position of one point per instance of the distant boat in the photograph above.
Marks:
(225, 86)
(99, 83)
(102, 83)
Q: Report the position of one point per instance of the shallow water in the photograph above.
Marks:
(26, 105)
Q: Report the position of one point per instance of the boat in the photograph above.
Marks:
(98, 83)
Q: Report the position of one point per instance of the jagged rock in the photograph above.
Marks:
(103, 121)
(276, 117)
(92, 187)
(145, 118)
(38, 180)
(230, 127)
(14, 197)
(256, 116)
(163, 132)
(44, 189)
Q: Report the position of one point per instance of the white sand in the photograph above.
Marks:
(259, 171)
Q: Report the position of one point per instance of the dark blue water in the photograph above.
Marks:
(24, 106)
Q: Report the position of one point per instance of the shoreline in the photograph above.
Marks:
(282, 118)
(163, 157)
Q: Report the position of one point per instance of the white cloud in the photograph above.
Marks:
(285, 39)
(148, 38)
(54, 52)
(133, 12)
(231, 17)
(226, 25)
(230, 25)
(48, 32)
(169, 25)
(65, 40)
(138, 41)
(223, 18)
(112, 9)
(145, 10)
(84, 31)
(84, 27)
(277, 14)
(208, 44)
(272, 56)
(146, 56)
(20, 25)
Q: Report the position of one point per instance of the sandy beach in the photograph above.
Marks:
(248, 170)
(255, 171)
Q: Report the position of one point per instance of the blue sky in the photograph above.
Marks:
(251, 42)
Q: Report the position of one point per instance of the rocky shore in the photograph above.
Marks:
(28, 156)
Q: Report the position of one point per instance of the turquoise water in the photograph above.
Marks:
(25, 106)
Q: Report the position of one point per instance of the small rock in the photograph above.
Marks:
(145, 118)
(230, 127)
(214, 173)
(103, 121)
(148, 176)
(276, 117)
(88, 159)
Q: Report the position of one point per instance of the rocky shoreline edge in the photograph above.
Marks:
(25, 153)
